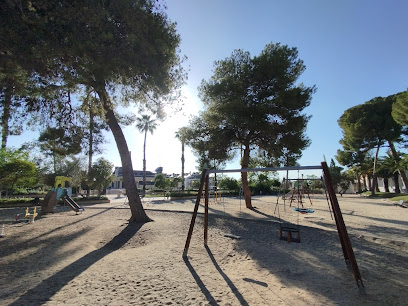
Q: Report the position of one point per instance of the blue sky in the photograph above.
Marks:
(353, 52)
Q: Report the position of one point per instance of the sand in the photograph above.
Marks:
(97, 258)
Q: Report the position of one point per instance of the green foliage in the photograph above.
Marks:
(313, 182)
(368, 125)
(75, 168)
(181, 135)
(174, 182)
(229, 183)
(16, 170)
(387, 195)
(262, 182)
(13, 201)
(90, 198)
(339, 178)
(92, 124)
(57, 143)
(386, 166)
(127, 42)
(400, 109)
(15, 88)
(160, 181)
(183, 194)
(145, 124)
(196, 184)
(253, 103)
(60, 141)
(346, 180)
(125, 50)
(400, 197)
(101, 174)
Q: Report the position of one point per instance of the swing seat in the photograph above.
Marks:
(289, 231)
(304, 210)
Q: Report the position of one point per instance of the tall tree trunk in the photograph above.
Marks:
(374, 185)
(386, 184)
(358, 183)
(364, 181)
(5, 118)
(144, 162)
(136, 208)
(377, 189)
(397, 159)
(90, 151)
(182, 166)
(54, 157)
(396, 182)
(369, 181)
(244, 178)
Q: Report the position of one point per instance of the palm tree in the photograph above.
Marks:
(366, 167)
(145, 124)
(356, 171)
(395, 167)
(181, 135)
(384, 171)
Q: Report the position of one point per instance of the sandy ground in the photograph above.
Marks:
(97, 258)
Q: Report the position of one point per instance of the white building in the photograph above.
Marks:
(391, 184)
(190, 180)
(118, 179)
(381, 186)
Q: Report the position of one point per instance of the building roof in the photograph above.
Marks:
(137, 173)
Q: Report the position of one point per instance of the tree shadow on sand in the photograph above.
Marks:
(49, 287)
(293, 263)
(259, 241)
(203, 287)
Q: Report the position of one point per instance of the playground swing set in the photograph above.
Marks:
(335, 211)
(299, 189)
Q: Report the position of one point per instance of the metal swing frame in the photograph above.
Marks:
(345, 242)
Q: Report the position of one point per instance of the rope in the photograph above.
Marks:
(327, 198)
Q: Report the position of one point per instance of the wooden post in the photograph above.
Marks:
(341, 229)
(333, 198)
(207, 186)
(197, 204)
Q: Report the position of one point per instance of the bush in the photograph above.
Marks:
(229, 183)
(183, 194)
(91, 198)
(14, 201)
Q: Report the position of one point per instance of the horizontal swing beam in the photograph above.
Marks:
(303, 179)
(266, 169)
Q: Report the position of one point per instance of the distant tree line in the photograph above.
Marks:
(369, 127)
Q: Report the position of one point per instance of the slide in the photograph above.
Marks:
(74, 205)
